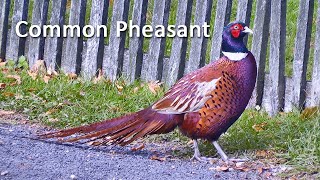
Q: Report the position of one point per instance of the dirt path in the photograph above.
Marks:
(23, 156)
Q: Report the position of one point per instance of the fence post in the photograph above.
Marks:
(153, 66)
(244, 13)
(39, 17)
(199, 45)
(301, 53)
(221, 20)
(72, 57)
(315, 83)
(95, 45)
(133, 65)
(176, 63)
(53, 45)
(20, 13)
(113, 66)
(277, 56)
(259, 46)
(4, 19)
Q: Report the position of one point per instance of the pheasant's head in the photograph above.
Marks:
(232, 37)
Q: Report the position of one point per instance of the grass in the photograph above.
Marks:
(65, 101)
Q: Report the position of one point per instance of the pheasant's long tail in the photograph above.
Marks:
(122, 130)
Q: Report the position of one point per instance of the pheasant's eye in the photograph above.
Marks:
(236, 27)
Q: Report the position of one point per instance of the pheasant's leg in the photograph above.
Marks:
(224, 156)
(197, 155)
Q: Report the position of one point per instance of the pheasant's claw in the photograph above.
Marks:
(238, 160)
(204, 159)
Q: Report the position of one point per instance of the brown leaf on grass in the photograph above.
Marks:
(3, 85)
(72, 75)
(39, 67)
(154, 86)
(309, 112)
(135, 90)
(265, 154)
(53, 120)
(119, 87)
(46, 79)
(50, 111)
(32, 89)
(2, 64)
(259, 127)
(99, 78)
(15, 77)
(8, 94)
(154, 157)
(3, 112)
(52, 72)
(5, 70)
(222, 168)
(141, 146)
(33, 75)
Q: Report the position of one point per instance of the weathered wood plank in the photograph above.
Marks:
(4, 27)
(71, 62)
(199, 44)
(277, 56)
(133, 65)
(113, 65)
(222, 18)
(20, 13)
(39, 17)
(301, 53)
(259, 46)
(315, 85)
(152, 68)
(176, 63)
(95, 48)
(53, 45)
(244, 13)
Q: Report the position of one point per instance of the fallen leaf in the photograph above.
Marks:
(259, 127)
(32, 89)
(222, 168)
(138, 147)
(8, 94)
(52, 72)
(3, 85)
(5, 70)
(53, 120)
(3, 112)
(46, 79)
(99, 78)
(50, 111)
(154, 86)
(309, 112)
(154, 157)
(135, 90)
(16, 77)
(82, 93)
(33, 75)
(2, 64)
(39, 67)
(72, 75)
(119, 87)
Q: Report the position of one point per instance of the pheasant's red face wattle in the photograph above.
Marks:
(236, 30)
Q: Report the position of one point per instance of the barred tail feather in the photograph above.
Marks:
(122, 130)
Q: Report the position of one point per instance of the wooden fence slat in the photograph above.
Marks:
(53, 45)
(301, 53)
(277, 56)
(315, 83)
(95, 48)
(153, 67)
(176, 63)
(71, 62)
(222, 18)
(244, 13)
(259, 46)
(133, 65)
(20, 13)
(39, 17)
(199, 45)
(4, 27)
(113, 66)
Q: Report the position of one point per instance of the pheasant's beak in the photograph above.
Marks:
(247, 30)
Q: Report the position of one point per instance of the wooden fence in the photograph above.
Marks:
(273, 91)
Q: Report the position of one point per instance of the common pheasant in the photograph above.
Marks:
(202, 104)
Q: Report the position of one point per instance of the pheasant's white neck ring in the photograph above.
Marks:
(235, 56)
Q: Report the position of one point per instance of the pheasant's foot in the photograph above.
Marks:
(237, 160)
(204, 159)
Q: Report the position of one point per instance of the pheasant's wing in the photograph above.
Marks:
(191, 92)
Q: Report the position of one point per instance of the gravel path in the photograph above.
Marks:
(23, 156)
